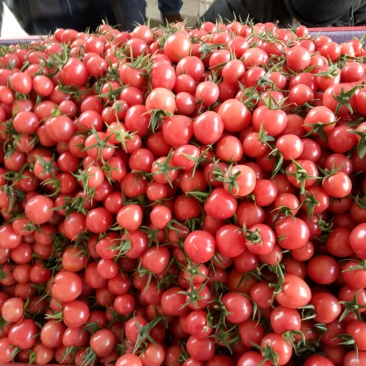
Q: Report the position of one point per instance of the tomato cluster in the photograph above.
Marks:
(179, 196)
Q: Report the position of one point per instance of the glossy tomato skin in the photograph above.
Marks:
(23, 334)
(251, 358)
(245, 181)
(67, 286)
(7, 348)
(272, 121)
(357, 237)
(318, 360)
(284, 319)
(221, 204)
(39, 209)
(102, 342)
(294, 233)
(51, 334)
(279, 345)
(200, 246)
(230, 234)
(323, 269)
(153, 355)
(260, 239)
(74, 72)
(295, 292)
(298, 58)
(239, 307)
(327, 307)
(354, 358)
(13, 310)
(208, 127)
(200, 349)
(177, 46)
(129, 359)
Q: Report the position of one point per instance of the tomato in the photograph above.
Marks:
(96, 66)
(51, 333)
(294, 292)
(208, 127)
(160, 217)
(133, 77)
(277, 344)
(300, 94)
(7, 349)
(265, 192)
(23, 334)
(156, 259)
(200, 246)
(102, 342)
(255, 57)
(323, 269)
(302, 173)
(26, 122)
(75, 313)
(355, 329)
(353, 275)
(98, 147)
(8, 237)
(239, 307)
(161, 99)
(13, 310)
(230, 234)
(285, 319)
(249, 214)
(66, 286)
(177, 130)
(293, 233)
(74, 72)
(321, 117)
(331, 50)
(327, 307)
(338, 185)
(177, 46)
(130, 217)
(356, 240)
(240, 180)
(317, 360)
(98, 220)
(43, 354)
(233, 71)
(207, 93)
(251, 358)
(334, 92)
(251, 332)
(221, 204)
(260, 239)
(338, 243)
(290, 146)
(326, 77)
(192, 66)
(273, 121)
(217, 59)
(200, 349)
(297, 58)
(39, 209)
(74, 225)
(153, 355)
(354, 358)
(129, 359)
(220, 360)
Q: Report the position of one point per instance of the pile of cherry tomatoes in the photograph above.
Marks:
(183, 196)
